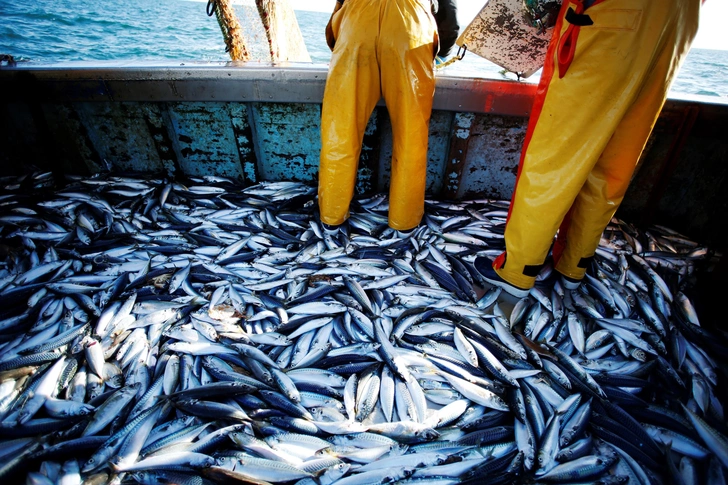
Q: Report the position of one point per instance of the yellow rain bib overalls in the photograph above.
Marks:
(381, 48)
(606, 76)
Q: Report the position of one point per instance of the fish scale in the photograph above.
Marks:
(251, 275)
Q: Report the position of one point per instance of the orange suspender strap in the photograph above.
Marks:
(567, 43)
(565, 47)
(546, 75)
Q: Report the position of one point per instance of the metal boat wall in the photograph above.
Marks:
(255, 122)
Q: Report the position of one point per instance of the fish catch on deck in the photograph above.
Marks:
(154, 332)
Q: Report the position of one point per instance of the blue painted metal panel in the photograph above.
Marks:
(73, 143)
(453, 170)
(120, 135)
(244, 140)
(370, 156)
(18, 137)
(204, 139)
(437, 149)
(46, 124)
(289, 141)
(491, 159)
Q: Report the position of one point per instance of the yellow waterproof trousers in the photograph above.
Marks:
(606, 76)
(383, 48)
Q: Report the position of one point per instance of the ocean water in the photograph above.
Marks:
(180, 30)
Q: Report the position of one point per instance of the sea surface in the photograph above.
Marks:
(180, 30)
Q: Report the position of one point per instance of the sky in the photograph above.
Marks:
(711, 33)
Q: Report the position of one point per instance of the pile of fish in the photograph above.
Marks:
(158, 332)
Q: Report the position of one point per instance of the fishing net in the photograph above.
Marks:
(265, 30)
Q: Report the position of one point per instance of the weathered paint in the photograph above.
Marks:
(20, 129)
(370, 168)
(204, 139)
(73, 144)
(245, 141)
(289, 140)
(256, 123)
(458, 153)
(491, 155)
(159, 126)
(120, 134)
(437, 150)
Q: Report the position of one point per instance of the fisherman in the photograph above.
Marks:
(607, 72)
(381, 48)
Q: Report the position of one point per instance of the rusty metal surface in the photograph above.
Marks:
(244, 82)
(231, 81)
(385, 152)
(149, 81)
